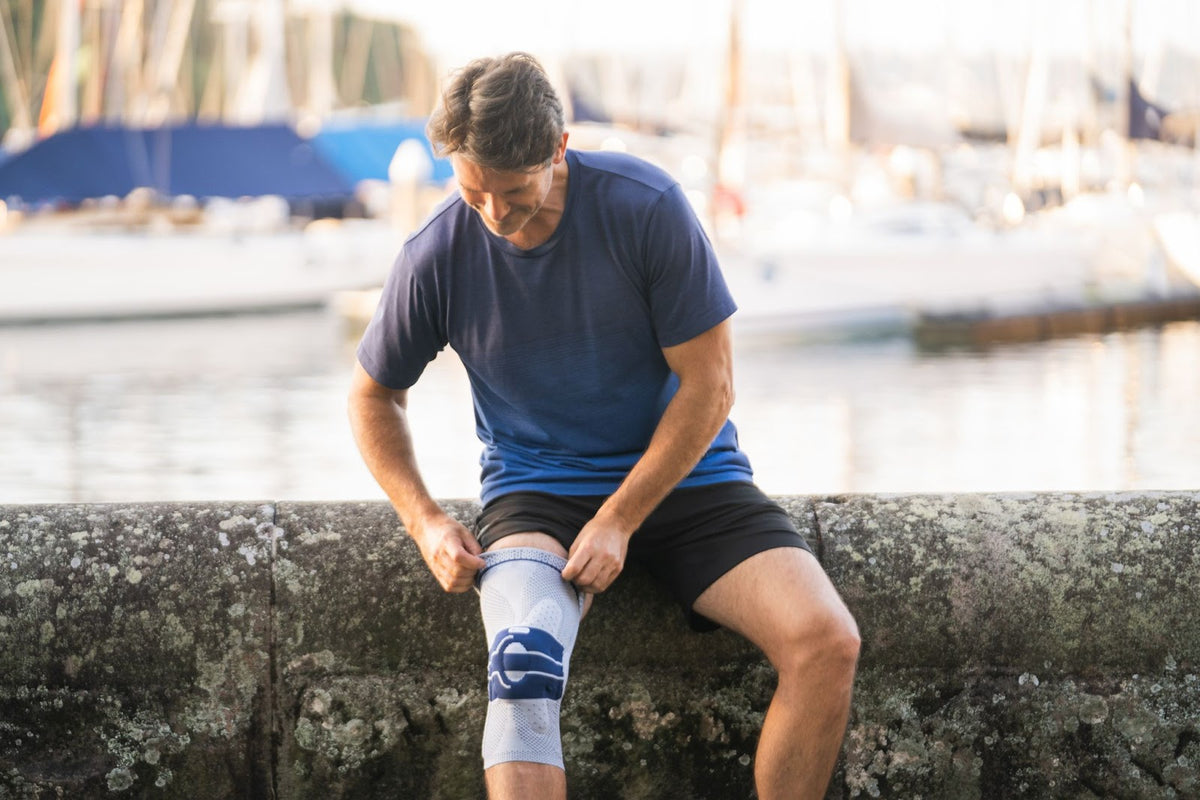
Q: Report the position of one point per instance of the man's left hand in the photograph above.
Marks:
(597, 556)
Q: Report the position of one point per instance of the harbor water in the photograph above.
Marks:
(253, 407)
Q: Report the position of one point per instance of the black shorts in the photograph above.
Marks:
(694, 537)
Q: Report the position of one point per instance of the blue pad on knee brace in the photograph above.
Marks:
(526, 664)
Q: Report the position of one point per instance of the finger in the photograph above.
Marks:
(591, 580)
(457, 580)
(459, 587)
(599, 584)
(461, 555)
(468, 560)
(575, 565)
(581, 571)
(605, 578)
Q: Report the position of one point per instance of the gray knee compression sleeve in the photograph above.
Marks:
(531, 616)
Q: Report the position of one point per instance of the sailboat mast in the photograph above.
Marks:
(15, 92)
(1123, 169)
(64, 106)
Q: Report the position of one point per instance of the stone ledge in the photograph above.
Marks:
(1040, 645)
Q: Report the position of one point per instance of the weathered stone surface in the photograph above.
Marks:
(1021, 645)
(1068, 583)
(133, 649)
(1038, 646)
(933, 733)
(350, 583)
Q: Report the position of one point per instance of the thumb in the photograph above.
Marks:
(471, 545)
(469, 552)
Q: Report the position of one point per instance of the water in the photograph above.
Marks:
(254, 408)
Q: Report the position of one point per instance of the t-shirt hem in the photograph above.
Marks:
(604, 488)
(705, 323)
(377, 372)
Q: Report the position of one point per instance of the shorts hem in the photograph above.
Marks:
(702, 624)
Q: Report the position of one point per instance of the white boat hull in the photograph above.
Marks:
(48, 276)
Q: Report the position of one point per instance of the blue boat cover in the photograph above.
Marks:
(363, 150)
(202, 161)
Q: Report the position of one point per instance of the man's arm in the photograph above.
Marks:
(693, 418)
(379, 421)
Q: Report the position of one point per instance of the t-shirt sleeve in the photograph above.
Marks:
(406, 331)
(688, 294)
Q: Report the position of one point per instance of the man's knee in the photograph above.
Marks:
(828, 640)
(531, 616)
(843, 639)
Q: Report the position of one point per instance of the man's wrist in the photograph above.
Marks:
(422, 518)
(615, 513)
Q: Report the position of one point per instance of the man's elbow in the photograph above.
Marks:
(357, 399)
(720, 396)
(356, 413)
(714, 392)
(726, 397)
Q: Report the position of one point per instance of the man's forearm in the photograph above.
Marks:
(381, 431)
(380, 425)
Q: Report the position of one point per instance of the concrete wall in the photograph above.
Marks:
(1039, 646)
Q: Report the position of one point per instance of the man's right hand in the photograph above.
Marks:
(451, 553)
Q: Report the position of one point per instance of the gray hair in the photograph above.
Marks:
(499, 113)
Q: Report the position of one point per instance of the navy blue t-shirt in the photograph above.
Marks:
(563, 342)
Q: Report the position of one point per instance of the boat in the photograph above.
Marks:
(54, 273)
(110, 222)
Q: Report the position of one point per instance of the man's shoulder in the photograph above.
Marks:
(637, 172)
(439, 233)
(445, 218)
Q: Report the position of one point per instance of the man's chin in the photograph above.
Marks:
(505, 227)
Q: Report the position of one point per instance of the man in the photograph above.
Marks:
(586, 303)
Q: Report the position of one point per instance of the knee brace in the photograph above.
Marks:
(531, 616)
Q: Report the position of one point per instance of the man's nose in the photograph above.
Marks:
(495, 207)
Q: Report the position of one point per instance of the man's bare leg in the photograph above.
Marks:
(525, 780)
(782, 601)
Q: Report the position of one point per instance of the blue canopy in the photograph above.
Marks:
(202, 161)
(363, 150)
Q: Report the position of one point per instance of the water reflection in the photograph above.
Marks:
(253, 408)
(1101, 412)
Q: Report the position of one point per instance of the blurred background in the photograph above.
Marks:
(964, 236)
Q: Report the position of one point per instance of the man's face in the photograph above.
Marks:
(505, 201)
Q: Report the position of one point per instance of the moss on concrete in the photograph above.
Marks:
(1072, 583)
(350, 582)
(1039, 646)
(926, 733)
(134, 648)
